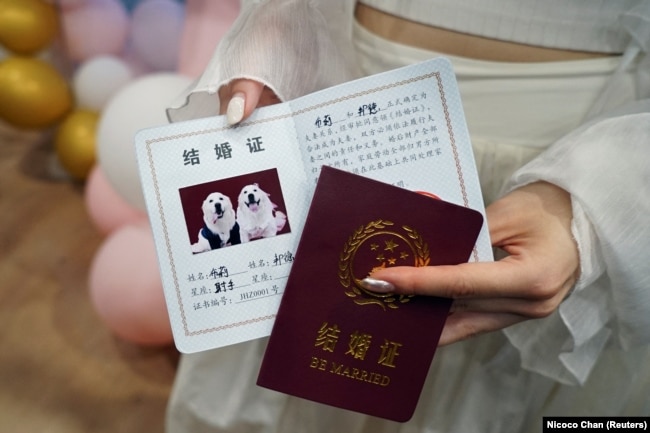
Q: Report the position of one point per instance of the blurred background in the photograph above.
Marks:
(85, 343)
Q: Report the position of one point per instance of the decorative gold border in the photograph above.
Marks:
(150, 142)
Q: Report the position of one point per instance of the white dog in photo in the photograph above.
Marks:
(220, 226)
(256, 214)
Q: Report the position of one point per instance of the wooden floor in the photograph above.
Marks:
(60, 369)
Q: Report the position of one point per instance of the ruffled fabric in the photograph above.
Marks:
(612, 228)
(308, 36)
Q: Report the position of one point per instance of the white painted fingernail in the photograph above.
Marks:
(235, 111)
(379, 286)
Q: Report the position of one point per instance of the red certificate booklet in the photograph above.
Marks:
(336, 343)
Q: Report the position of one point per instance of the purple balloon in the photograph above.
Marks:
(157, 26)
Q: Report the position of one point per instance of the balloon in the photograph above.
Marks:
(98, 79)
(69, 4)
(27, 26)
(74, 143)
(156, 31)
(126, 289)
(138, 105)
(138, 66)
(106, 208)
(32, 93)
(206, 21)
(94, 28)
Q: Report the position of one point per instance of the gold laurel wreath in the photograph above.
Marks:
(345, 272)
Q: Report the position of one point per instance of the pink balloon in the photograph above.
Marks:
(106, 208)
(156, 27)
(94, 28)
(126, 289)
(206, 21)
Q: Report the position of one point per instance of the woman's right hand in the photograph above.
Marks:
(241, 96)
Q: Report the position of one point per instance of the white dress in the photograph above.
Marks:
(583, 125)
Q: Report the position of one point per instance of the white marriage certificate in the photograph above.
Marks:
(227, 203)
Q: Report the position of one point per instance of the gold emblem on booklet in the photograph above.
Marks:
(376, 245)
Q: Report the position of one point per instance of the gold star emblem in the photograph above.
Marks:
(390, 245)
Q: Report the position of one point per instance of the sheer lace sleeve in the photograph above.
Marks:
(605, 166)
(292, 46)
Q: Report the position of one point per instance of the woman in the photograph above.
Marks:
(554, 99)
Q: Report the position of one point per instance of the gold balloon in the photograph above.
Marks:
(32, 93)
(75, 143)
(27, 26)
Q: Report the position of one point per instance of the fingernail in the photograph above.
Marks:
(235, 111)
(379, 286)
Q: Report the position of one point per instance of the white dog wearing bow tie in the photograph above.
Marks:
(220, 226)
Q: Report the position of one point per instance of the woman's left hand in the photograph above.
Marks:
(533, 225)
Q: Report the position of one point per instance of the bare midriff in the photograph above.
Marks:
(454, 43)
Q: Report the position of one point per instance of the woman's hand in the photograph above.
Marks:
(240, 97)
(533, 225)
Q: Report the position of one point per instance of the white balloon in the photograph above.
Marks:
(138, 105)
(98, 79)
